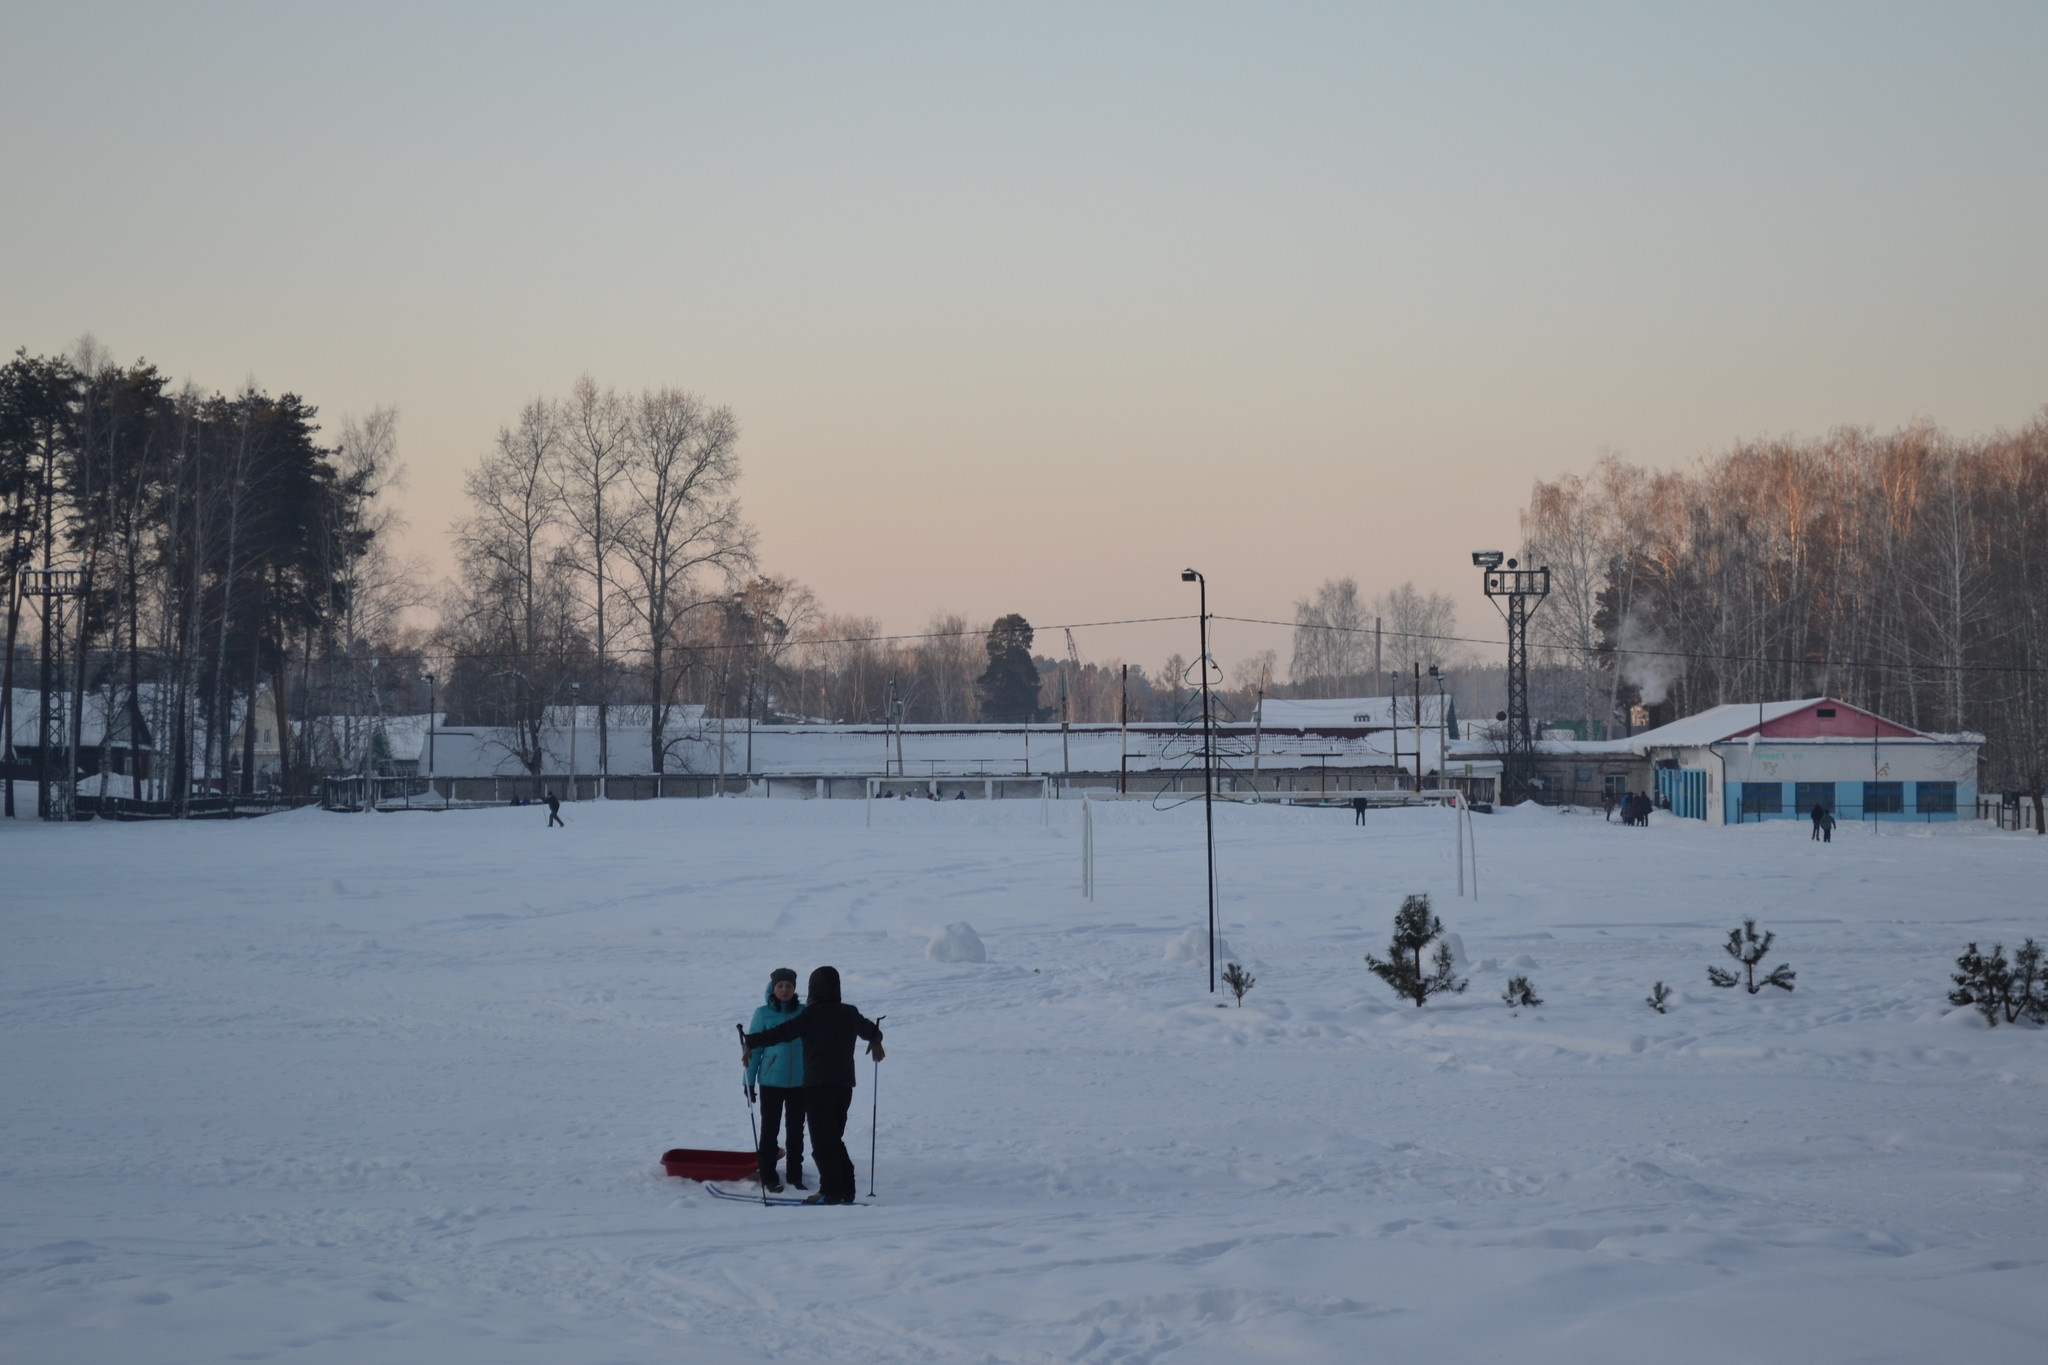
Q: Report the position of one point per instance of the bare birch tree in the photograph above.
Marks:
(594, 452)
(680, 536)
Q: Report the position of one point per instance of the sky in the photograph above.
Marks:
(1026, 308)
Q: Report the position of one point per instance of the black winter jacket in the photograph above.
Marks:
(828, 1027)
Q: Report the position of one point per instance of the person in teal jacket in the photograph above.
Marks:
(779, 1072)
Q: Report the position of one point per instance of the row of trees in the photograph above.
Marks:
(194, 549)
(605, 562)
(1347, 646)
(173, 550)
(1904, 572)
(603, 547)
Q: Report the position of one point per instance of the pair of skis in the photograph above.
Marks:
(765, 1198)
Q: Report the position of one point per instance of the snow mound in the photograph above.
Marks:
(956, 943)
(1193, 946)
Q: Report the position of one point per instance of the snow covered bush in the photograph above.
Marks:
(1519, 993)
(1745, 947)
(1997, 987)
(1415, 928)
(1239, 980)
(1659, 998)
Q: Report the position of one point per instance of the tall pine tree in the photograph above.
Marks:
(1008, 688)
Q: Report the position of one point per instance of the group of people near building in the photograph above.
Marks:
(800, 1057)
(1635, 808)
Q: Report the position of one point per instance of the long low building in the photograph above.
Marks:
(1748, 761)
(1359, 745)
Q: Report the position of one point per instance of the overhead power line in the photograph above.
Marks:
(1648, 653)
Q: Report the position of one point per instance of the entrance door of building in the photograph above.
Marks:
(1684, 790)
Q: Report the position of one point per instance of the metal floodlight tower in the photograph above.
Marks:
(49, 584)
(1524, 590)
(1208, 769)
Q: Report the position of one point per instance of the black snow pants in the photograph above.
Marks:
(782, 1106)
(825, 1107)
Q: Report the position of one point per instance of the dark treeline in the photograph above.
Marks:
(190, 549)
(1906, 573)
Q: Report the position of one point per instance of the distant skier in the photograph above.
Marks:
(1823, 823)
(779, 1071)
(554, 811)
(828, 1027)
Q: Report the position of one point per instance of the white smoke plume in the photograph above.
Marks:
(1645, 658)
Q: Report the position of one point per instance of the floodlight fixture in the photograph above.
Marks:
(1487, 559)
(1188, 575)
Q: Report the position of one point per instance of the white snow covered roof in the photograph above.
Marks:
(1346, 712)
(1716, 723)
(26, 716)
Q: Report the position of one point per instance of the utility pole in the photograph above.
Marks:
(1258, 726)
(1394, 723)
(1524, 591)
(1443, 763)
(1123, 743)
(1418, 727)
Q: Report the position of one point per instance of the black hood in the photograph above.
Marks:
(824, 986)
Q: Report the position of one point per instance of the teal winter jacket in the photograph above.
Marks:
(783, 1064)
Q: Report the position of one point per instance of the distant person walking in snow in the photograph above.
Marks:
(554, 811)
(1357, 810)
(1823, 823)
(779, 1072)
(827, 1027)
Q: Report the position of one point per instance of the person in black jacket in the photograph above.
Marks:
(828, 1027)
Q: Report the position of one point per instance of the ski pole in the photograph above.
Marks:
(874, 1114)
(753, 1133)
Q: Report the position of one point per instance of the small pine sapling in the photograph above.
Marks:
(1745, 947)
(1998, 988)
(1519, 993)
(1659, 998)
(1239, 980)
(1415, 928)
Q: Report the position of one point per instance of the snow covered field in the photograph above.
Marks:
(326, 1088)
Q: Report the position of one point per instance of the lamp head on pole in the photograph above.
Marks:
(1189, 576)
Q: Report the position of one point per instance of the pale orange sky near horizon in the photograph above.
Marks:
(1025, 311)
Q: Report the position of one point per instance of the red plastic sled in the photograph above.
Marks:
(701, 1163)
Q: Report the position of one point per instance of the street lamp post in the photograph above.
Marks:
(1208, 769)
(430, 732)
(575, 714)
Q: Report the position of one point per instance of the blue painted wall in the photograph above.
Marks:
(1849, 804)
